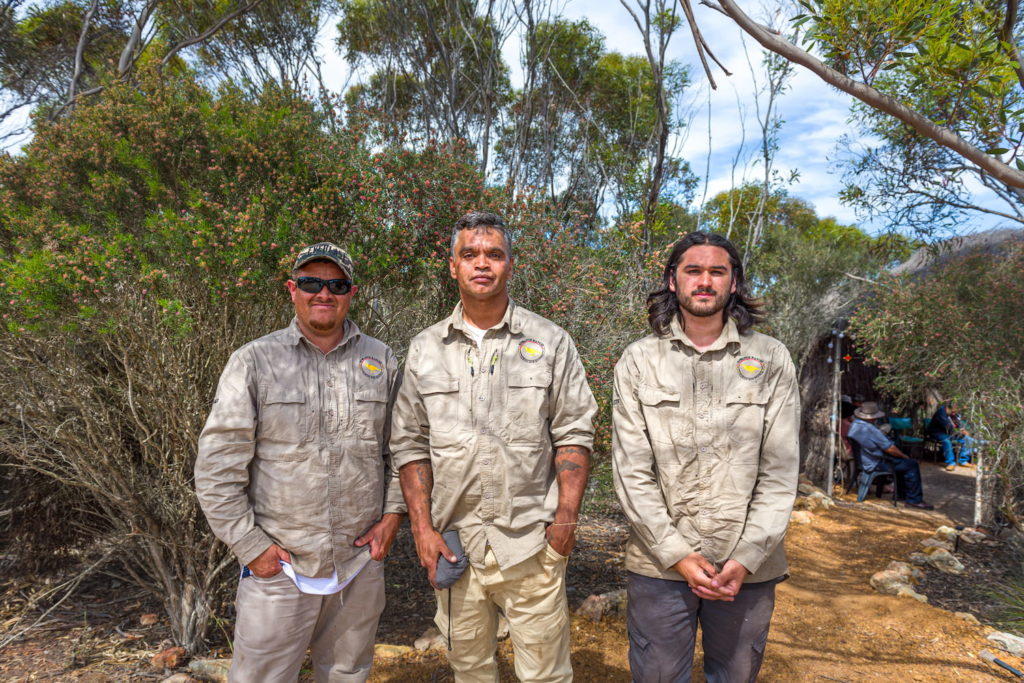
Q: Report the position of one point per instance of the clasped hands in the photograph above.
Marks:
(708, 583)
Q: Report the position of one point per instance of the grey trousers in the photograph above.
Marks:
(662, 618)
(276, 623)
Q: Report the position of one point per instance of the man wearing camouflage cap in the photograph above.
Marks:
(294, 476)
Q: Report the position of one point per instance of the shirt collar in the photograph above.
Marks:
(294, 335)
(513, 318)
(729, 338)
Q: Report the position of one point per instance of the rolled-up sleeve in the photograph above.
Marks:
(410, 429)
(393, 500)
(634, 472)
(226, 447)
(775, 489)
(573, 405)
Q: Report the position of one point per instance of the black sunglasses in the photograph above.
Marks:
(313, 285)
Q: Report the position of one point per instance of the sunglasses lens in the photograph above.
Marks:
(313, 285)
(310, 285)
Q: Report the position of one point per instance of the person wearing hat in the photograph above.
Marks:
(877, 451)
(294, 475)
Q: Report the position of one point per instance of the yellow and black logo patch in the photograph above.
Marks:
(371, 366)
(531, 350)
(750, 367)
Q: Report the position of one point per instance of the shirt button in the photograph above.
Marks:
(703, 449)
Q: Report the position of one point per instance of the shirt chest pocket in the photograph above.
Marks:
(660, 407)
(745, 408)
(371, 403)
(441, 401)
(527, 403)
(283, 423)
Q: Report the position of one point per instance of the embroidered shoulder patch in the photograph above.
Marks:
(371, 366)
(531, 350)
(750, 367)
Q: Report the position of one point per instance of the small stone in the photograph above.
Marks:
(171, 658)
(906, 591)
(148, 619)
(966, 616)
(1008, 642)
(806, 488)
(180, 678)
(946, 533)
(904, 570)
(916, 575)
(973, 536)
(595, 607)
(801, 517)
(215, 670)
(813, 502)
(430, 640)
(391, 651)
(945, 562)
(888, 582)
(919, 559)
(936, 543)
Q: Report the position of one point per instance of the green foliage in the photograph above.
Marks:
(955, 329)
(586, 125)
(953, 62)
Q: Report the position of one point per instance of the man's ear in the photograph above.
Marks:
(672, 283)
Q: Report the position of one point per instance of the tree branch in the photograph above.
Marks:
(207, 33)
(874, 98)
(80, 50)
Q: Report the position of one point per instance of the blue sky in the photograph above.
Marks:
(815, 115)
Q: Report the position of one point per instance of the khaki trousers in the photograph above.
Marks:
(276, 623)
(532, 596)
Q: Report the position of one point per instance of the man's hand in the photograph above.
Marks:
(381, 535)
(429, 545)
(727, 584)
(561, 536)
(697, 571)
(269, 562)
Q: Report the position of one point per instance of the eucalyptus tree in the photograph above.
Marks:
(940, 86)
(435, 66)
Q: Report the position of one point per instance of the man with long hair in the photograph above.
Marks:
(705, 420)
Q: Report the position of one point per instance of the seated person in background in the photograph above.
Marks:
(963, 437)
(875, 446)
(846, 409)
(940, 428)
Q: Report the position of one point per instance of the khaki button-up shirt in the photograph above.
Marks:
(489, 419)
(294, 451)
(705, 451)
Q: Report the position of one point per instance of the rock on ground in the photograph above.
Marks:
(946, 533)
(597, 606)
(801, 517)
(430, 640)
(171, 658)
(813, 502)
(1008, 642)
(945, 561)
(180, 678)
(967, 616)
(391, 651)
(215, 670)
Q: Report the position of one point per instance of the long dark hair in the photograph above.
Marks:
(663, 305)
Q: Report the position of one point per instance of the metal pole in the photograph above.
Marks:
(834, 416)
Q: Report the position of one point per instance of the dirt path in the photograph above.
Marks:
(829, 624)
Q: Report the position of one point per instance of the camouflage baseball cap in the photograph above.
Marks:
(326, 251)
